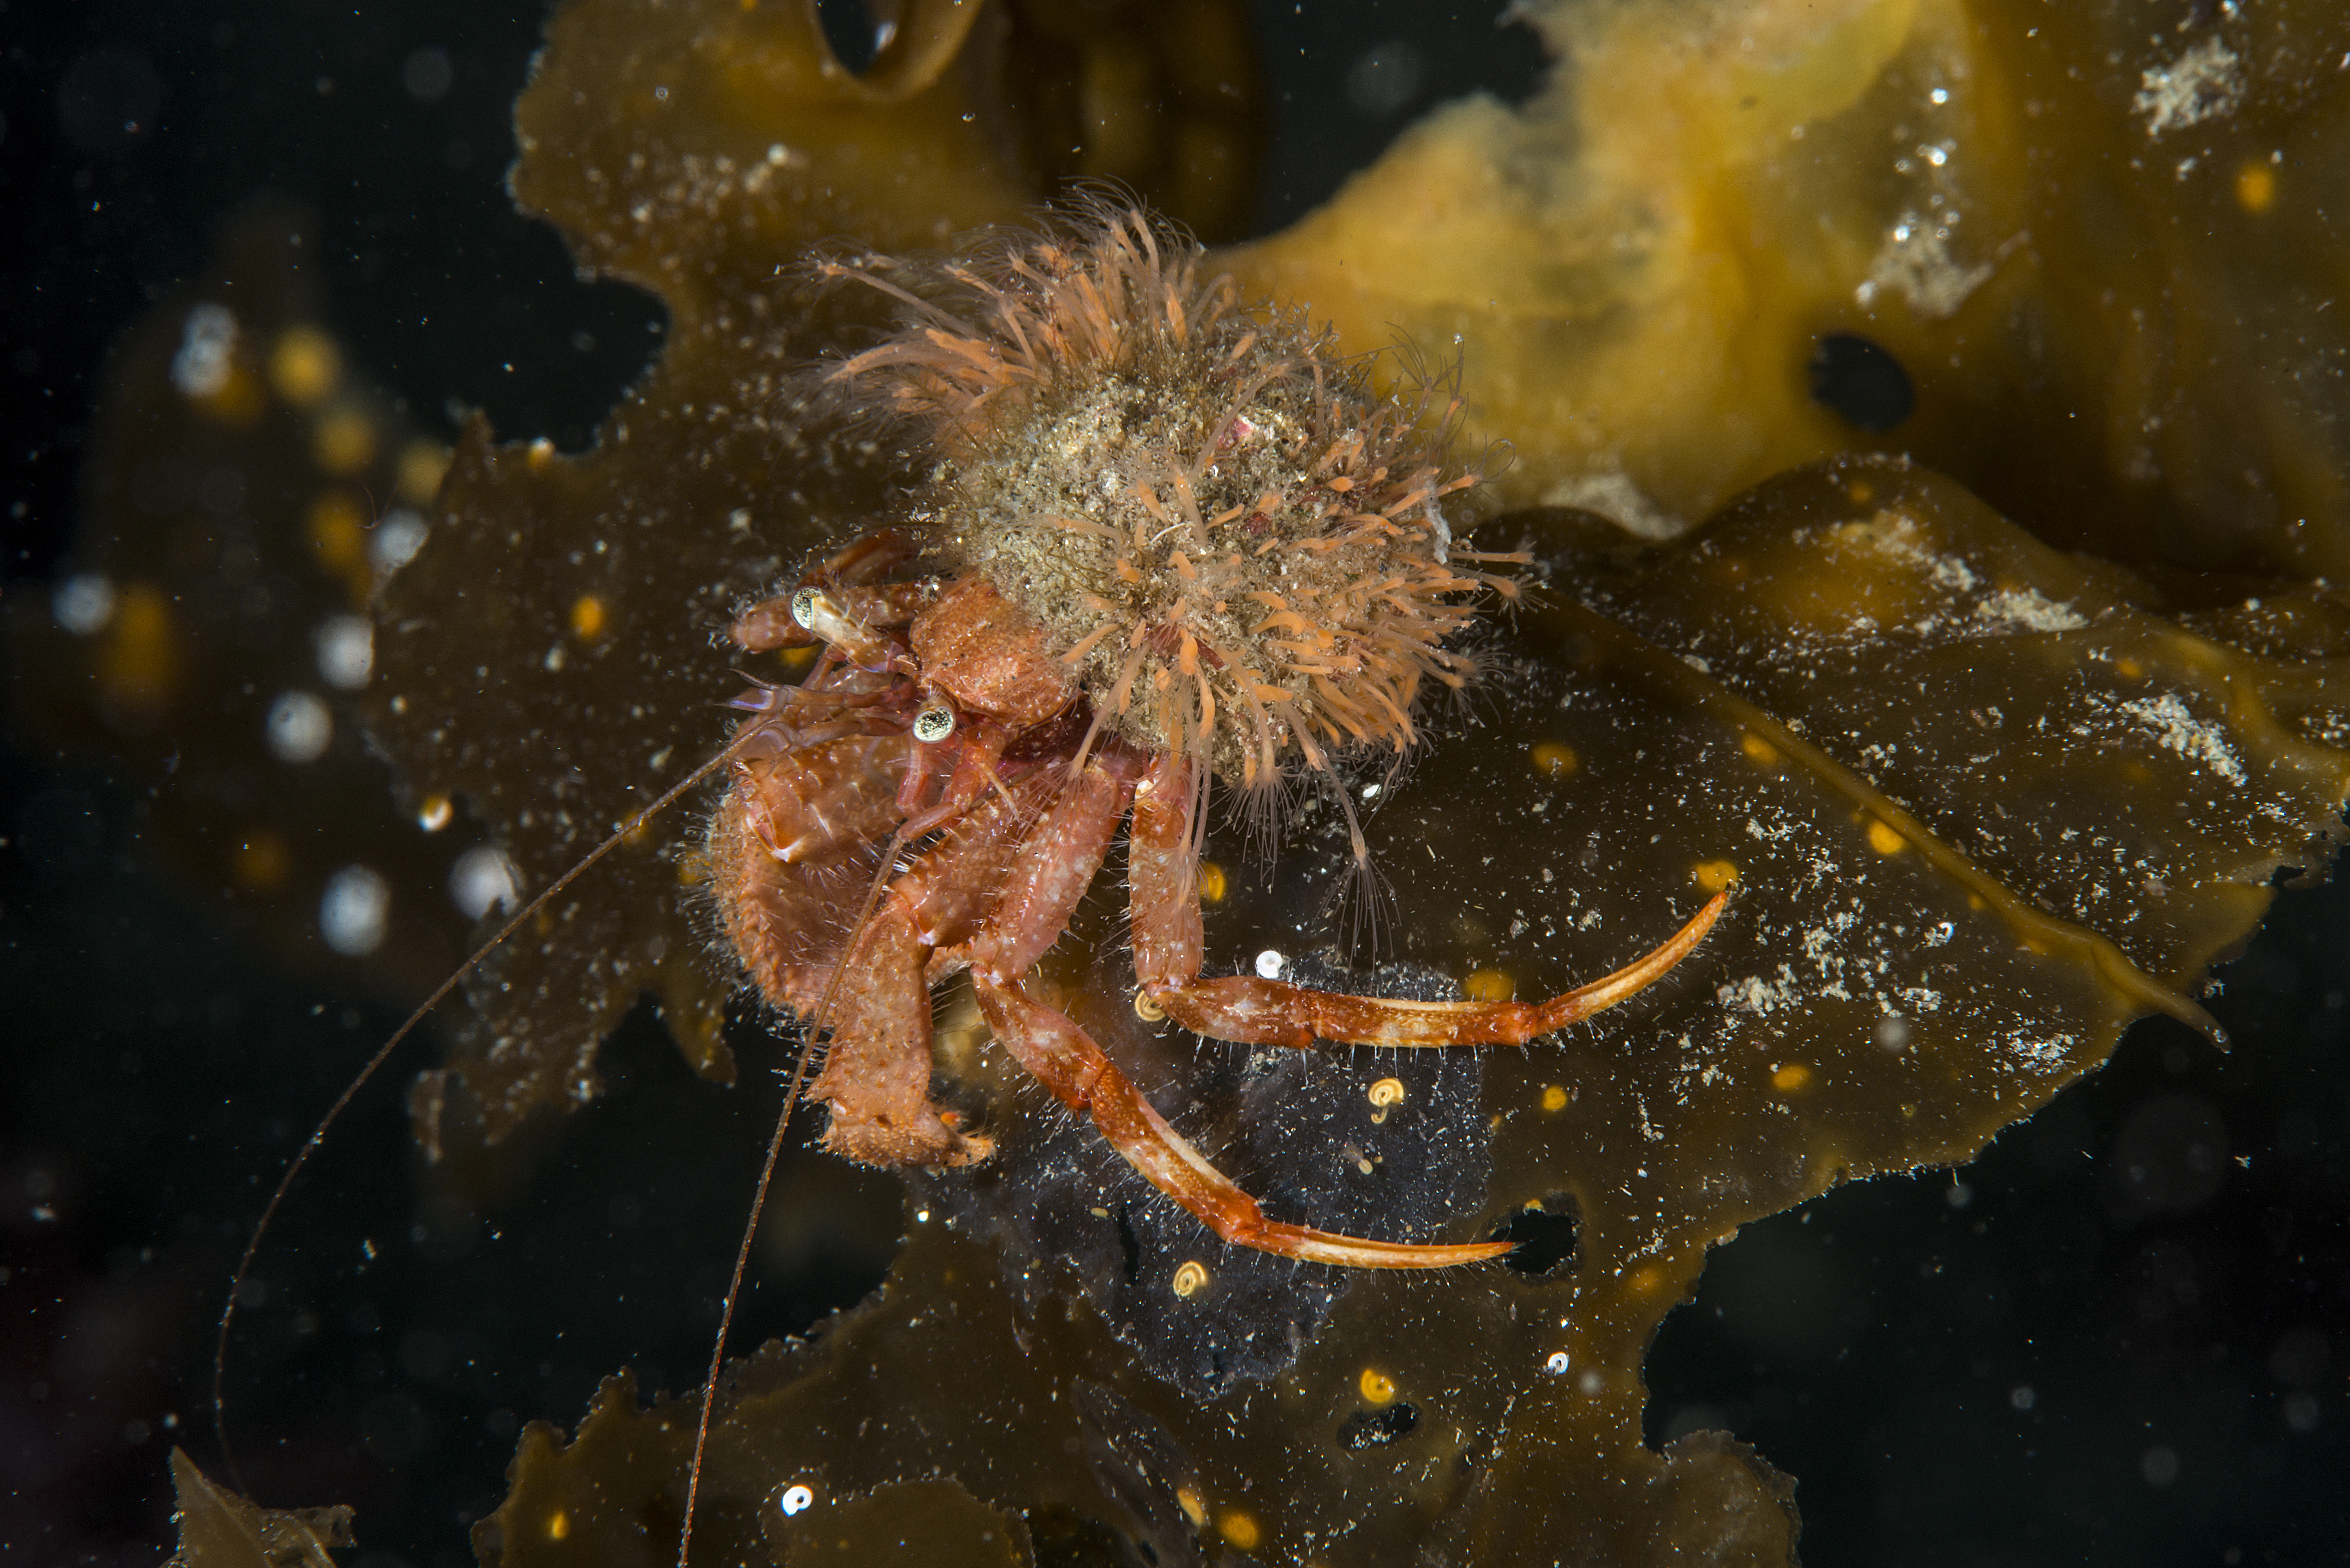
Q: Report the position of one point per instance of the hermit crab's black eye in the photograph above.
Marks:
(804, 608)
(934, 724)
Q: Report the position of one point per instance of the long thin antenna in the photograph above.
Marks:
(734, 1291)
(350, 1090)
(811, 1027)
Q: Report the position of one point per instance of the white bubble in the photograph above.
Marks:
(352, 915)
(2159, 1465)
(207, 351)
(84, 603)
(482, 877)
(1270, 963)
(346, 645)
(2023, 1396)
(396, 540)
(796, 1500)
(300, 726)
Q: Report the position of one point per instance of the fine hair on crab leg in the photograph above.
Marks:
(383, 1052)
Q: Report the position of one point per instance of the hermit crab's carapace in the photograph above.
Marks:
(1165, 540)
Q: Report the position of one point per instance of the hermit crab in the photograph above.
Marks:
(1167, 544)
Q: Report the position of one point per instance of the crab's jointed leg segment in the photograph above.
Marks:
(1251, 1011)
(1051, 1046)
(877, 1067)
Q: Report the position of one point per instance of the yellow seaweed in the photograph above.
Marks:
(2104, 287)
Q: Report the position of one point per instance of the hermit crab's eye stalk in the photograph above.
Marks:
(934, 724)
(827, 619)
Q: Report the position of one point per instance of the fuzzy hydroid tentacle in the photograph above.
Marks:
(1203, 505)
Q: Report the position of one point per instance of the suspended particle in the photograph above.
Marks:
(482, 879)
(207, 351)
(84, 603)
(355, 911)
(300, 728)
(396, 540)
(346, 648)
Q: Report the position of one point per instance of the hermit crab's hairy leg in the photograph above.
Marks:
(1061, 854)
(877, 1067)
(1248, 1010)
(1071, 841)
(1066, 1060)
(383, 1052)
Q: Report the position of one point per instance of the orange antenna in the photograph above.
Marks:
(383, 1052)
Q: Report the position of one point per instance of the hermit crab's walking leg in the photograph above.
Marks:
(1069, 844)
(1251, 1011)
(876, 1003)
(876, 1065)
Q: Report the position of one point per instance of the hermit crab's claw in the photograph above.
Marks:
(1633, 978)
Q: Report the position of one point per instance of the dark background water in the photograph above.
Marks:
(2120, 1336)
